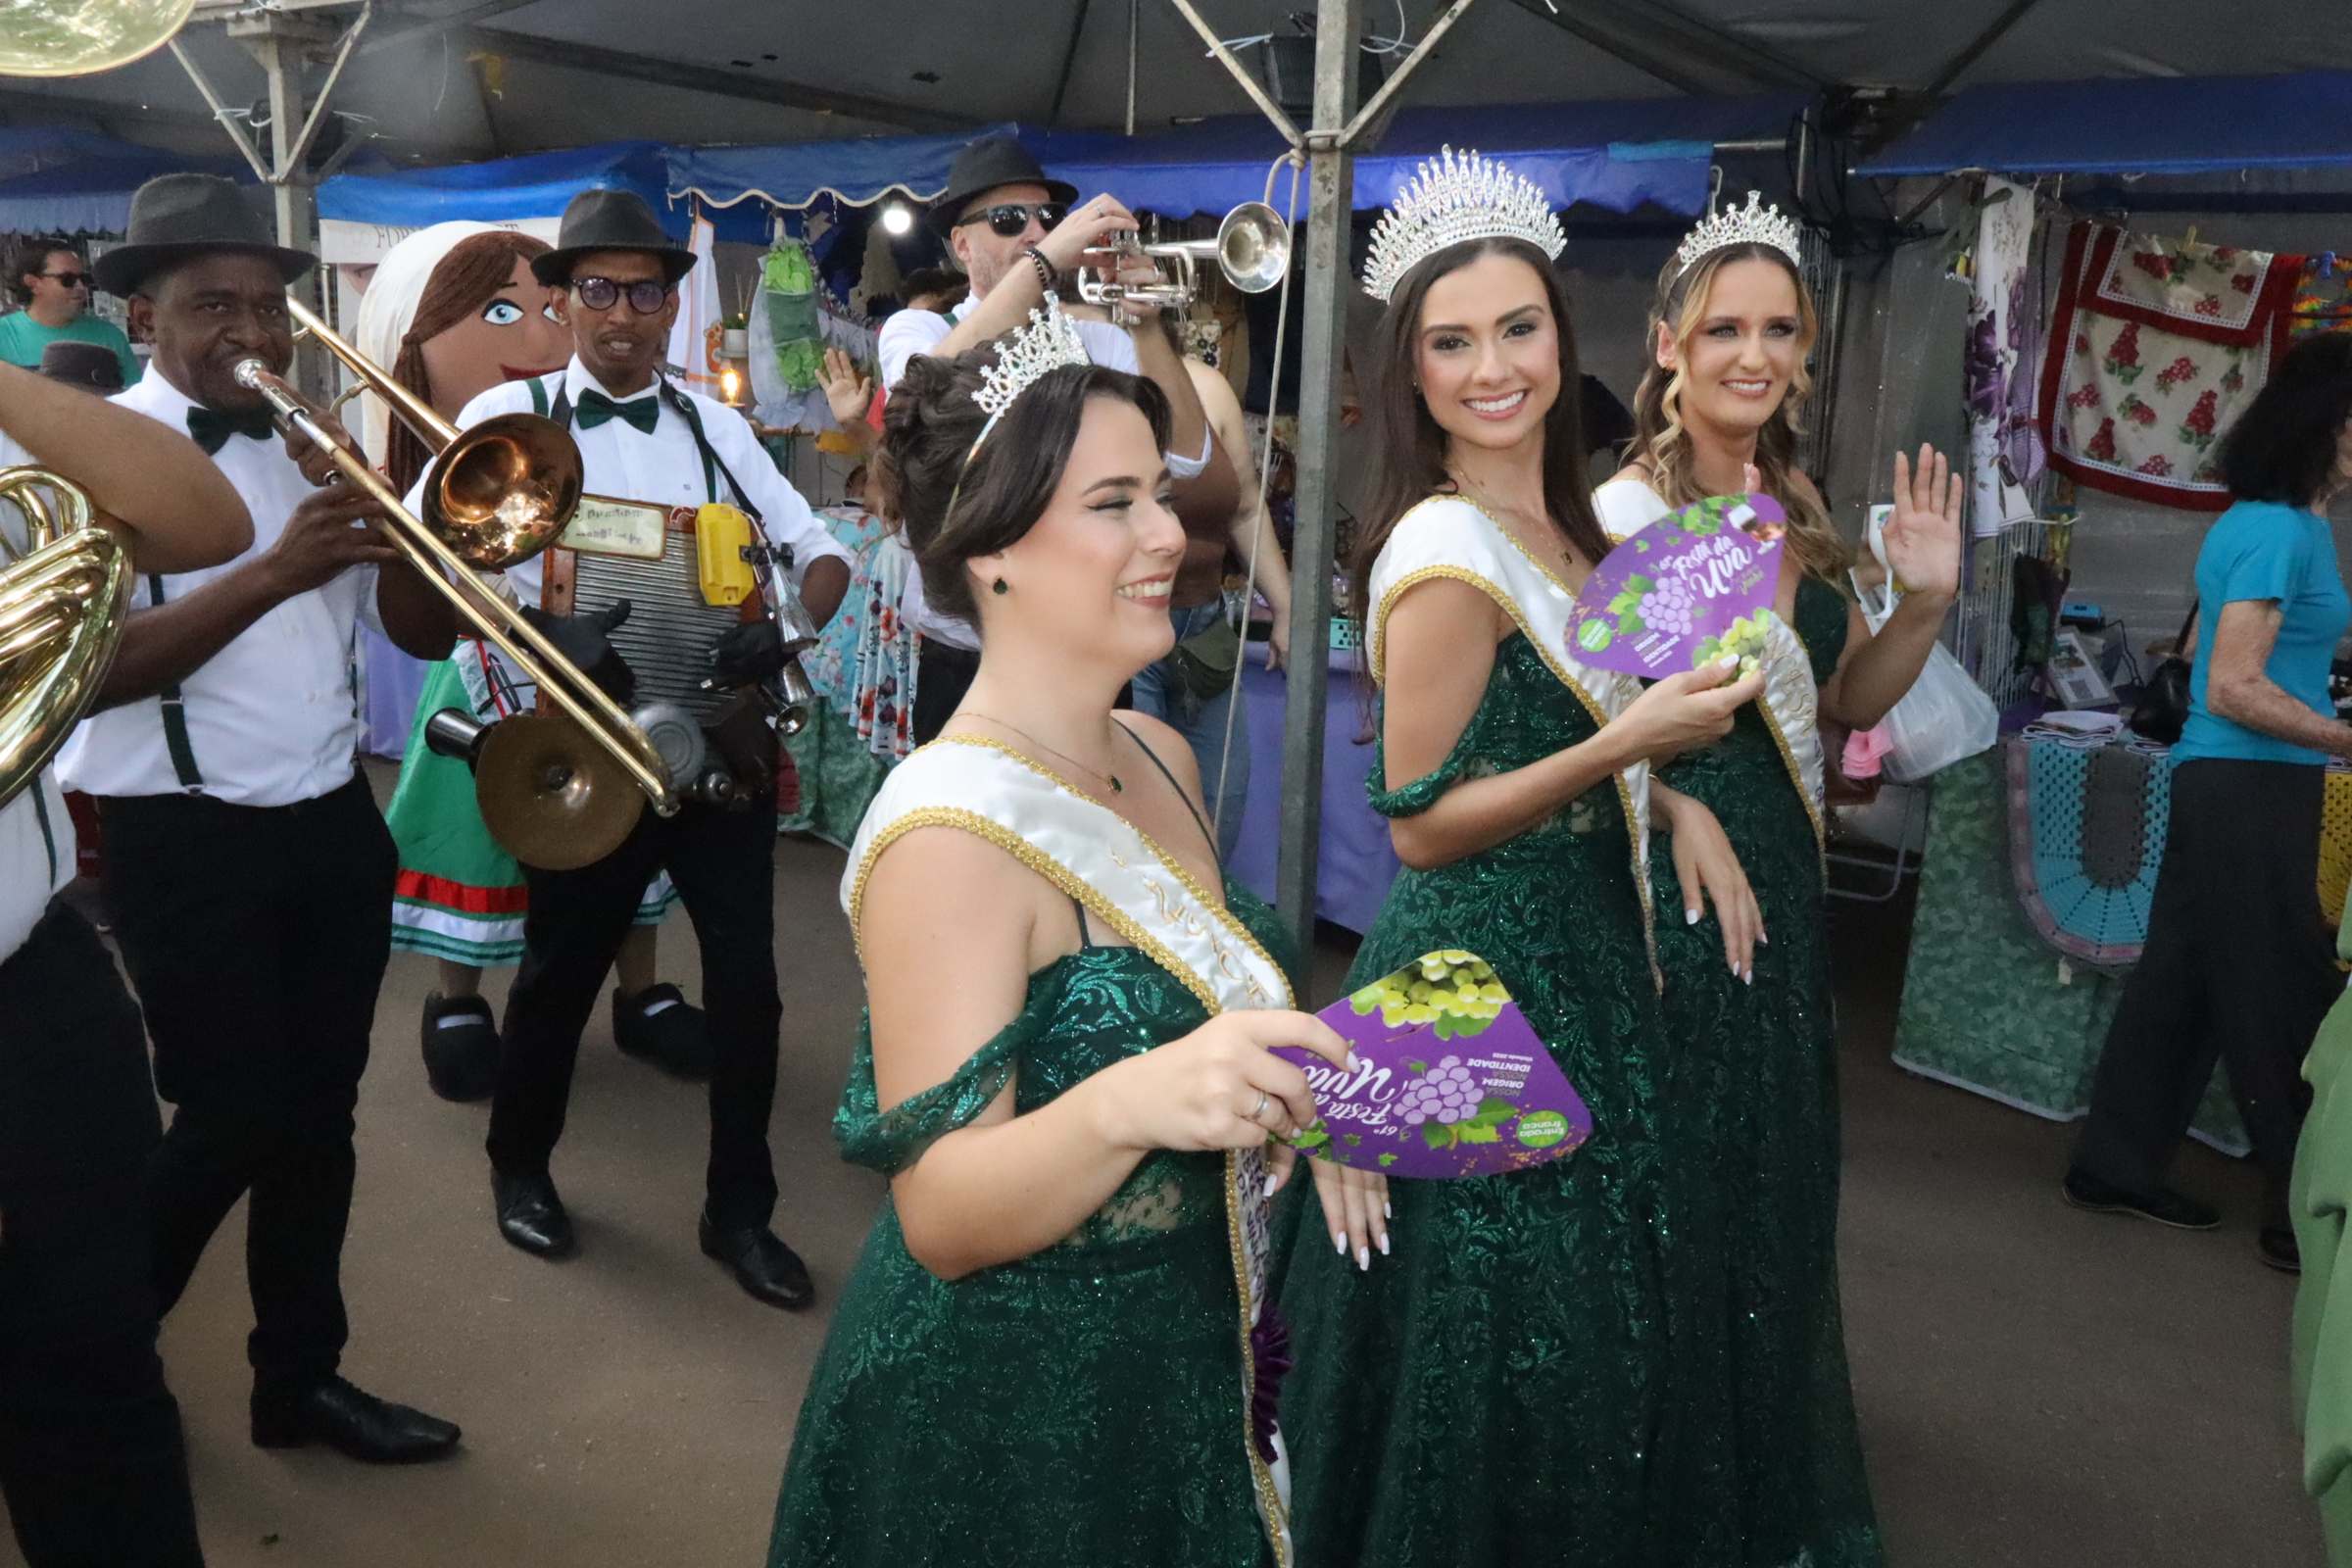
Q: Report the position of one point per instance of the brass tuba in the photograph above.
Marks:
(64, 599)
(75, 37)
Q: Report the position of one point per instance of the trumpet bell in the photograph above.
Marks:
(503, 490)
(1254, 248)
(550, 795)
(75, 37)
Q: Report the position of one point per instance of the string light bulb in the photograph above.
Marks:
(897, 219)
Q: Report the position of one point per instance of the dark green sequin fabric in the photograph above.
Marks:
(1506, 1389)
(1762, 1059)
(1082, 1404)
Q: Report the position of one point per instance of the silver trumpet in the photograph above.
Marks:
(1252, 249)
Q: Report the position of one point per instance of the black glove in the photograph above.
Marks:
(751, 652)
(581, 639)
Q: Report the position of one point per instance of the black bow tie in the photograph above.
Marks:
(642, 412)
(211, 428)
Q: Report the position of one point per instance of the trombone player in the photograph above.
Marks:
(91, 1458)
(248, 871)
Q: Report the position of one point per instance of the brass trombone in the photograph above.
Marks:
(497, 495)
(64, 601)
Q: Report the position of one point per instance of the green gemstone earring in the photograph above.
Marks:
(999, 586)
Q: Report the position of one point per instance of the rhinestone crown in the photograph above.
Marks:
(1450, 199)
(1049, 342)
(1753, 224)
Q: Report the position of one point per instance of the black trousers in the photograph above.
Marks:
(2239, 966)
(723, 863)
(942, 675)
(91, 1450)
(257, 938)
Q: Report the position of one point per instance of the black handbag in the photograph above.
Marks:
(2163, 706)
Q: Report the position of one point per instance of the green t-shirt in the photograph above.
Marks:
(22, 339)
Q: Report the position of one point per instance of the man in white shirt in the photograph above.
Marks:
(1017, 235)
(91, 1458)
(247, 870)
(643, 440)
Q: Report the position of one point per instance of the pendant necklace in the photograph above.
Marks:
(1113, 779)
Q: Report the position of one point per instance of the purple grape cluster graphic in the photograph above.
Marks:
(1444, 1094)
(1669, 607)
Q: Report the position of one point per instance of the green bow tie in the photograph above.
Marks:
(642, 412)
(211, 428)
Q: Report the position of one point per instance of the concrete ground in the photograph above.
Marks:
(2037, 1386)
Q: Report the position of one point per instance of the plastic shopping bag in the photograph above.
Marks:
(1945, 717)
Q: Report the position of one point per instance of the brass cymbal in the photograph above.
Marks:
(550, 796)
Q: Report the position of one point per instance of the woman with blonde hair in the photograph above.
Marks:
(1753, 1046)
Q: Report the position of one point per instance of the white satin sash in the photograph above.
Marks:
(1097, 856)
(1792, 699)
(1448, 536)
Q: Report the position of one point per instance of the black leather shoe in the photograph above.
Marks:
(461, 1047)
(2086, 1192)
(2279, 1249)
(358, 1423)
(659, 1026)
(767, 1269)
(530, 1215)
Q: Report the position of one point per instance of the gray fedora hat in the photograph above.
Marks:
(608, 220)
(981, 168)
(175, 216)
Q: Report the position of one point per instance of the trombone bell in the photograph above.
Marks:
(503, 490)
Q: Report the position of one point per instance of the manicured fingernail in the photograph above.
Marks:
(1690, 917)
(1763, 937)
(1355, 1064)
(1384, 1244)
(1341, 1243)
(1272, 1182)
(1729, 661)
(1363, 1260)
(1748, 975)
(1386, 1212)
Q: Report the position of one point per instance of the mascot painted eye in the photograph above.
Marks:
(502, 313)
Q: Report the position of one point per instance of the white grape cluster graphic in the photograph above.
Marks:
(1444, 1094)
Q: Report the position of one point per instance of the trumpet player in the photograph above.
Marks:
(669, 452)
(1018, 236)
(248, 872)
(91, 1459)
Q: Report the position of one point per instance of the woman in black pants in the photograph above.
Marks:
(2238, 964)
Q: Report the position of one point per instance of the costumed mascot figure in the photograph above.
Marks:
(452, 310)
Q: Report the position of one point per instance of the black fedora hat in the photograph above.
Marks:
(608, 220)
(982, 166)
(84, 365)
(175, 216)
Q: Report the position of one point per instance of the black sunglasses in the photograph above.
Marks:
(602, 294)
(1008, 218)
(70, 279)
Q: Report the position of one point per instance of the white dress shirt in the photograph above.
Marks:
(273, 719)
(36, 836)
(663, 468)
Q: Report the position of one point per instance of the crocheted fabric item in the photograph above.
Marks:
(2087, 829)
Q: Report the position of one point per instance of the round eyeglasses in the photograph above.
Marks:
(645, 296)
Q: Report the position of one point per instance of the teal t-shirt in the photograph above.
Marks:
(2268, 550)
(22, 339)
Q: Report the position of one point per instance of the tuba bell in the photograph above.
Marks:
(1252, 249)
(64, 599)
(75, 37)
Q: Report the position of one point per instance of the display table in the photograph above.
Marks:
(1356, 862)
(1988, 1006)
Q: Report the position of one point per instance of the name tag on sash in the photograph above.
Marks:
(605, 525)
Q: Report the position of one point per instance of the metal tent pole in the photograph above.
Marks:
(1330, 180)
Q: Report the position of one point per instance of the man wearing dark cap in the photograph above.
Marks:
(678, 455)
(1017, 236)
(92, 367)
(248, 873)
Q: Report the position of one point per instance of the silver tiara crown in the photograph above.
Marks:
(1049, 342)
(1753, 224)
(1454, 198)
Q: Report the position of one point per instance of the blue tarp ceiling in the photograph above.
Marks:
(534, 186)
(2140, 126)
(69, 182)
(1615, 154)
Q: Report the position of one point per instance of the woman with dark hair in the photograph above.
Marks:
(1052, 1348)
(1754, 1048)
(1513, 1379)
(2238, 965)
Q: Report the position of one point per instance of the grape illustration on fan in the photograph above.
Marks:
(1684, 591)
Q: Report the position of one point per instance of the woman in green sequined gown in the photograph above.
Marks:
(1040, 1357)
(1756, 1049)
(1513, 1383)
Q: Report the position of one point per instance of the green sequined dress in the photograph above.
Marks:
(1762, 1061)
(1512, 1386)
(1082, 1404)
